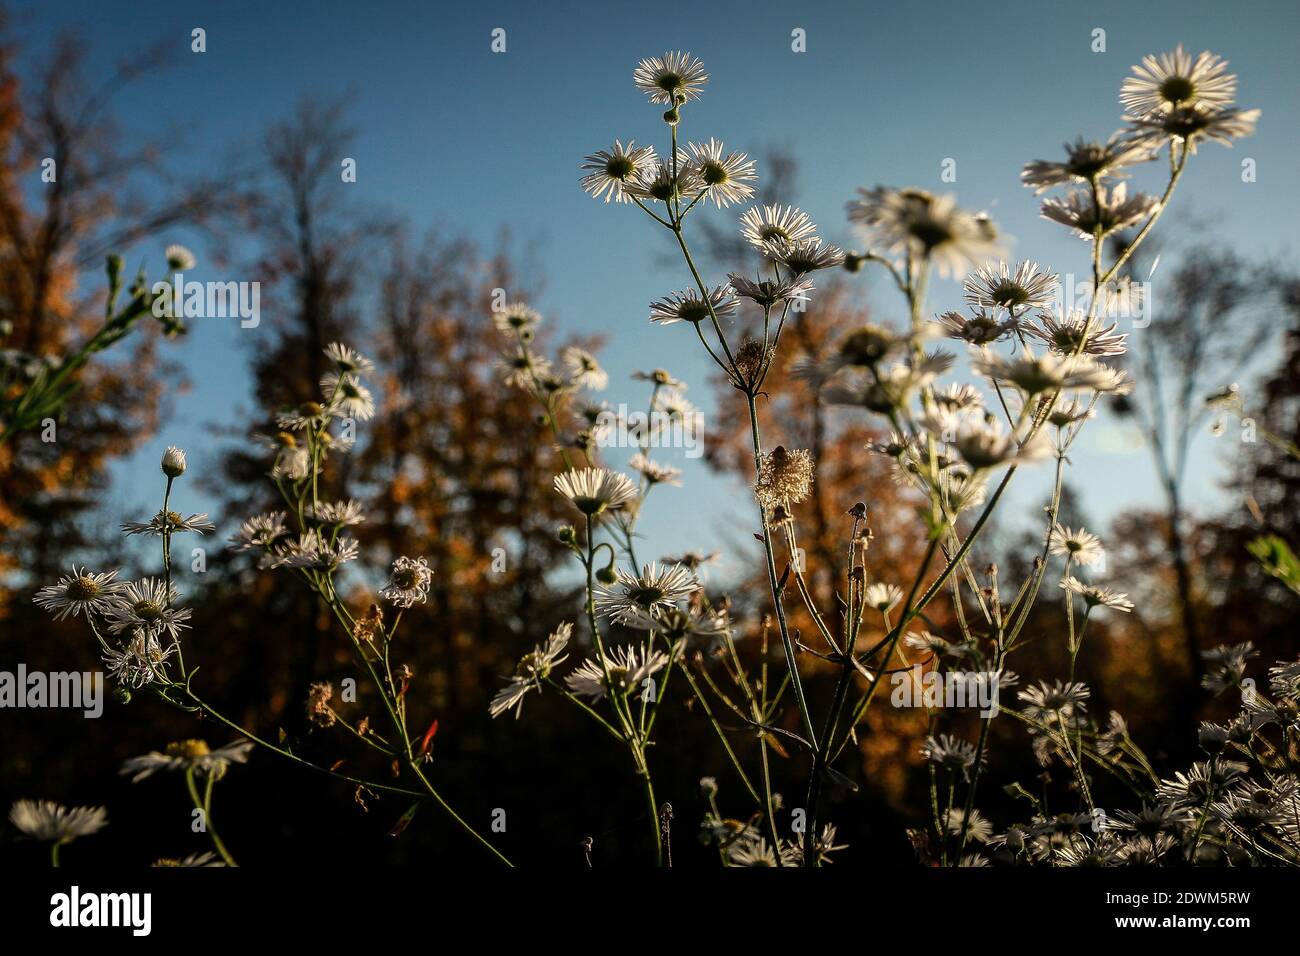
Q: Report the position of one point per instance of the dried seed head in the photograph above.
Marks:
(318, 704)
(785, 476)
(750, 358)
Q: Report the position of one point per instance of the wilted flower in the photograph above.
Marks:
(141, 662)
(319, 711)
(409, 582)
(532, 669)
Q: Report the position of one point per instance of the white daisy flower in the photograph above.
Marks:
(291, 459)
(729, 179)
(671, 403)
(1045, 700)
(658, 183)
(654, 472)
(676, 623)
(169, 523)
(1064, 334)
(342, 514)
(315, 550)
(147, 605)
(804, 255)
(756, 852)
(81, 592)
(345, 393)
(1113, 210)
(612, 170)
(349, 360)
(980, 328)
(516, 318)
(1095, 596)
(188, 755)
(654, 588)
(1191, 125)
(260, 532)
(903, 221)
(629, 668)
(823, 846)
(593, 490)
(1081, 546)
(882, 597)
(762, 225)
(1086, 161)
(670, 79)
(524, 369)
(1028, 287)
(770, 292)
(55, 823)
(690, 306)
(976, 826)
(1045, 373)
(984, 443)
(950, 753)
(584, 370)
(179, 258)
(1175, 80)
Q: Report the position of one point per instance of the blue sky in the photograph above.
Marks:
(454, 135)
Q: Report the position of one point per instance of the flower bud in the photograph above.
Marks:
(173, 462)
